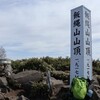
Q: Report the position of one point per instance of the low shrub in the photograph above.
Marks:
(59, 75)
(39, 90)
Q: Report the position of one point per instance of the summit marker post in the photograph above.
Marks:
(81, 43)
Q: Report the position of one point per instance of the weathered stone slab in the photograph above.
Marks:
(27, 76)
(3, 81)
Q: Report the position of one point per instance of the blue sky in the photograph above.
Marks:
(37, 28)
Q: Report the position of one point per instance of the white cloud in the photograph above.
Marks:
(41, 27)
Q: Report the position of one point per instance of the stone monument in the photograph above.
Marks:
(81, 43)
(5, 67)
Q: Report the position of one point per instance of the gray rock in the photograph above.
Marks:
(5, 67)
(8, 70)
(1, 68)
(2, 96)
(94, 82)
(11, 98)
(64, 93)
(96, 92)
(96, 88)
(22, 97)
(3, 81)
(27, 76)
(56, 85)
(4, 90)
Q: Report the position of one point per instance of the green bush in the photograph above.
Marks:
(44, 67)
(39, 90)
(59, 75)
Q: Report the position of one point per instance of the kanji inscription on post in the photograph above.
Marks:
(81, 43)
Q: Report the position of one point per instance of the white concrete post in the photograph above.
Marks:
(81, 43)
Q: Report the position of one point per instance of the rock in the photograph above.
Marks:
(64, 93)
(4, 90)
(53, 84)
(2, 96)
(96, 92)
(11, 98)
(5, 67)
(93, 82)
(13, 95)
(95, 87)
(53, 98)
(98, 78)
(56, 85)
(27, 76)
(8, 70)
(6, 98)
(3, 81)
(22, 97)
(1, 68)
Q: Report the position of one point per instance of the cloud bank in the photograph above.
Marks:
(37, 28)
